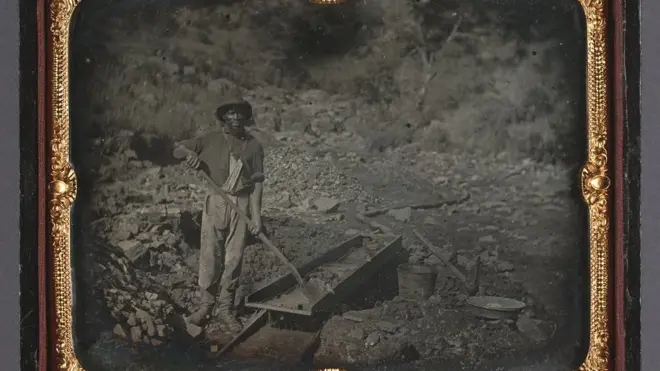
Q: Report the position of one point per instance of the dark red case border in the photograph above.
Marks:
(45, 343)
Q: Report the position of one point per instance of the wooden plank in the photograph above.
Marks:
(307, 355)
(420, 206)
(277, 308)
(292, 299)
(284, 283)
(257, 321)
(348, 286)
(344, 265)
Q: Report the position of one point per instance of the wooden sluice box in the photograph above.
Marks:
(342, 270)
(280, 304)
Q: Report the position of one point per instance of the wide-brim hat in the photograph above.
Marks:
(239, 105)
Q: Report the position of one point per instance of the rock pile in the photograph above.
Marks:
(309, 182)
(141, 307)
(137, 324)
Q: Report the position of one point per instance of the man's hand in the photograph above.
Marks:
(192, 161)
(256, 227)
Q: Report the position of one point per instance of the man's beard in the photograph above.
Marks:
(236, 130)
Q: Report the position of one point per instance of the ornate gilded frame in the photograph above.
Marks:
(595, 183)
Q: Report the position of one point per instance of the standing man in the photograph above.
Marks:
(233, 159)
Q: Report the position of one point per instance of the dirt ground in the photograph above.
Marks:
(519, 218)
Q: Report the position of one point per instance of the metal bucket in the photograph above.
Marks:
(416, 281)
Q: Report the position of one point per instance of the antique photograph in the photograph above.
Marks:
(363, 185)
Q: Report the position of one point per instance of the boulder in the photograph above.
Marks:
(133, 249)
(402, 215)
(325, 204)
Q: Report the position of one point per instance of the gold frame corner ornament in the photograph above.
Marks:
(595, 183)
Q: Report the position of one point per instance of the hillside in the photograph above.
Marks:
(477, 78)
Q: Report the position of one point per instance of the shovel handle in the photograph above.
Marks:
(249, 222)
(436, 251)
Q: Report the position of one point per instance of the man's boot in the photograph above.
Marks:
(205, 308)
(225, 315)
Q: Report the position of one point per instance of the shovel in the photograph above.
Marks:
(471, 283)
(310, 290)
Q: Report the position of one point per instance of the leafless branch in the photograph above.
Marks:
(429, 57)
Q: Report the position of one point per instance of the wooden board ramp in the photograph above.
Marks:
(261, 339)
(282, 345)
(254, 325)
(271, 343)
(342, 269)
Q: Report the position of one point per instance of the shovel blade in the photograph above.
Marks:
(312, 291)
